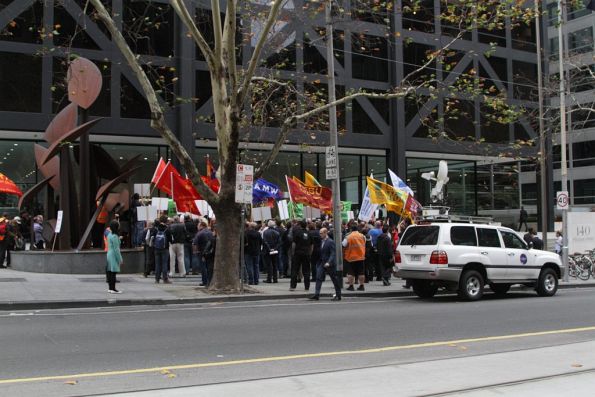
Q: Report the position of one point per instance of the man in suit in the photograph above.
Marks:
(326, 264)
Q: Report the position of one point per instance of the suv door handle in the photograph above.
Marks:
(484, 252)
(511, 254)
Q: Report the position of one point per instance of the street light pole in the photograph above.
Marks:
(542, 177)
(334, 137)
(563, 167)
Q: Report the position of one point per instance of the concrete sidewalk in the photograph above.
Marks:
(23, 291)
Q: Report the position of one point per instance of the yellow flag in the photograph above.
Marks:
(310, 180)
(383, 193)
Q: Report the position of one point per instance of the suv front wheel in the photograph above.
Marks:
(471, 285)
(547, 285)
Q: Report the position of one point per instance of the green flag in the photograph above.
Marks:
(171, 209)
(345, 208)
(296, 210)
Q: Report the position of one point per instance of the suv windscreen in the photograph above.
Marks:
(420, 235)
(463, 235)
(511, 240)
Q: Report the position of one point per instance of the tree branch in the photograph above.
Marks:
(188, 21)
(272, 18)
(293, 119)
(157, 118)
(229, 49)
(216, 12)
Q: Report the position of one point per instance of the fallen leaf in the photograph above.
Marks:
(577, 365)
(71, 382)
(165, 371)
(171, 376)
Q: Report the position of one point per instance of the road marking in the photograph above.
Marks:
(184, 307)
(294, 356)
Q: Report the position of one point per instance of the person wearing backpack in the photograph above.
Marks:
(161, 238)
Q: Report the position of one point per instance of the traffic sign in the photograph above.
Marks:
(331, 173)
(331, 157)
(244, 181)
(562, 200)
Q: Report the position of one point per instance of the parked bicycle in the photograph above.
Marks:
(580, 266)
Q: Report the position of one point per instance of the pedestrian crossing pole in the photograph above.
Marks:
(334, 139)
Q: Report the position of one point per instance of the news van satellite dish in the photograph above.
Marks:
(437, 194)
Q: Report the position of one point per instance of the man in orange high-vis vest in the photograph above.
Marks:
(354, 254)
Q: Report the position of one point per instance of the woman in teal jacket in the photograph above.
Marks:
(114, 257)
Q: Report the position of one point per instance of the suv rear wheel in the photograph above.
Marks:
(471, 285)
(547, 285)
(424, 289)
(500, 289)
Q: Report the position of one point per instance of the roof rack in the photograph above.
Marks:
(440, 214)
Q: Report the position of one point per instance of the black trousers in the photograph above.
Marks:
(313, 261)
(111, 280)
(272, 263)
(300, 262)
(3, 251)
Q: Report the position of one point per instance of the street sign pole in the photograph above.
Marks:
(563, 203)
(243, 196)
(334, 140)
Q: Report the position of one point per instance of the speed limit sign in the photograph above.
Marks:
(562, 200)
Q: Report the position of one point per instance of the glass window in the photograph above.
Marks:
(524, 77)
(310, 164)
(463, 235)
(419, 15)
(369, 58)
(584, 191)
(148, 159)
(420, 235)
(20, 82)
(17, 162)
(25, 27)
(149, 27)
(377, 166)
(488, 237)
(132, 103)
(511, 240)
(350, 172)
(581, 41)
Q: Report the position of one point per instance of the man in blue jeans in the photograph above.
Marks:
(252, 244)
(190, 260)
(200, 241)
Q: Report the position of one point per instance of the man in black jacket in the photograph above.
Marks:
(190, 229)
(316, 241)
(252, 244)
(384, 244)
(200, 241)
(303, 244)
(326, 264)
(272, 245)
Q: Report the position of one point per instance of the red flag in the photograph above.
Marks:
(184, 194)
(315, 196)
(165, 180)
(158, 171)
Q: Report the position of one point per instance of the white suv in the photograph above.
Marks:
(464, 257)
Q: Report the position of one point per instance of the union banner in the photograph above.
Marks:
(314, 196)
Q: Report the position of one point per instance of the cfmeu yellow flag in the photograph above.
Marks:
(383, 193)
(310, 180)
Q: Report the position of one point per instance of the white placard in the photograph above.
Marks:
(261, 213)
(581, 231)
(203, 207)
(143, 189)
(311, 212)
(350, 215)
(244, 182)
(283, 210)
(146, 213)
(161, 203)
(59, 222)
(562, 200)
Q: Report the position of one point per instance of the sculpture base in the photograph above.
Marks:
(71, 262)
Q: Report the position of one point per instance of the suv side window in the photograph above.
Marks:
(511, 240)
(488, 237)
(463, 235)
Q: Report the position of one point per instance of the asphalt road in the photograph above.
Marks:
(95, 351)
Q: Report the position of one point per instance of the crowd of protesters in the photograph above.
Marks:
(22, 232)
(297, 250)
